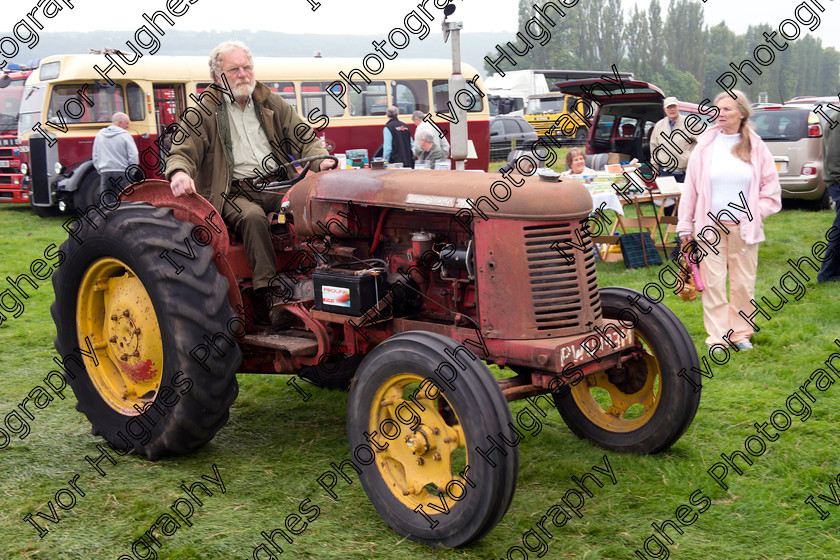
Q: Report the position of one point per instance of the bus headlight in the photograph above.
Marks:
(24, 168)
(57, 168)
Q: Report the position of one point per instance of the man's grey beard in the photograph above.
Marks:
(243, 92)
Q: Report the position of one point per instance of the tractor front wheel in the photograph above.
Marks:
(645, 406)
(422, 421)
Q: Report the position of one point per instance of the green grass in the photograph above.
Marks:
(275, 447)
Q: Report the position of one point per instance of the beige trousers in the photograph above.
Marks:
(719, 315)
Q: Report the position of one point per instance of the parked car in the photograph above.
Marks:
(794, 135)
(506, 128)
(810, 100)
(623, 122)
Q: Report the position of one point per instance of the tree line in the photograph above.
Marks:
(676, 51)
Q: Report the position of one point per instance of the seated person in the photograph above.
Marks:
(576, 163)
(429, 152)
(234, 151)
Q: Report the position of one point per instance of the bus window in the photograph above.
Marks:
(136, 102)
(106, 102)
(314, 95)
(169, 106)
(440, 90)
(371, 101)
(286, 91)
(410, 96)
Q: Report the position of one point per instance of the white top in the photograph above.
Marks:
(729, 175)
(586, 171)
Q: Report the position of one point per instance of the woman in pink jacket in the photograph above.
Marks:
(731, 186)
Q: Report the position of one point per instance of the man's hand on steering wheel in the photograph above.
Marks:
(328, 164)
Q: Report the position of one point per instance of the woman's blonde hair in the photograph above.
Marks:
(742, 149)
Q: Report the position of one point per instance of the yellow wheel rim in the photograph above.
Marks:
(114, 312)
(423, 465)
(610, 408)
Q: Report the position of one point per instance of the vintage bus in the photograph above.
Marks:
(12, 185)
(71, 94)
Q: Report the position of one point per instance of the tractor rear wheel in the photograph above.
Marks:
(646, 406)
(415, 438)
(157, 344)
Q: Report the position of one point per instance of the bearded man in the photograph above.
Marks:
(240, 147)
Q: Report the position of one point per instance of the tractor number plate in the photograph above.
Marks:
(4, 163)
(606, 341)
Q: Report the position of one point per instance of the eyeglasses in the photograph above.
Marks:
(235, 70)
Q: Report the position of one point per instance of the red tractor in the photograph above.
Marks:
(408, 282)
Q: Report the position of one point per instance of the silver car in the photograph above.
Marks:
(793, 134)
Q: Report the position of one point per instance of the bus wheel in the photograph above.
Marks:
(154, 342)
(646, 406)
(415, 439)
(87, 193)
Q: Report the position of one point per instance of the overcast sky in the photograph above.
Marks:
(349, 17)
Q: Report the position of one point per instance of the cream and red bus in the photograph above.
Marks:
(67, 101)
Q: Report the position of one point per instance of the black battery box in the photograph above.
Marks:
(345, 292)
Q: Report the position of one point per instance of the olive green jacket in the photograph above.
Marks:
(206, 155)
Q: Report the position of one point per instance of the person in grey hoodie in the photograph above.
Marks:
(114, 151)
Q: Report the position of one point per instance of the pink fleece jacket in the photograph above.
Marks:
(763, 199)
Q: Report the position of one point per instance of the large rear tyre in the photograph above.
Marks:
(153, 340)
(647, 406)
(415, 437)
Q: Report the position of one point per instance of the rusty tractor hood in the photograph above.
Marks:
(448, 192)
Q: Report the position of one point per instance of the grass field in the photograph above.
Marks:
(275, 446)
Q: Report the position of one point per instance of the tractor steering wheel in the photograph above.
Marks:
(277, 185)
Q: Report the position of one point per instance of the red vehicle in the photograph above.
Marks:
(387, 277)
(622, 122)
(13, 188)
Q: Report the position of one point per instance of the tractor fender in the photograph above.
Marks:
(197, 210)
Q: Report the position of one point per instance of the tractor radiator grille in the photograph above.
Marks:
(564, 287)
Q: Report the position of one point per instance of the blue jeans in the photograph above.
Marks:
(830, 270)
